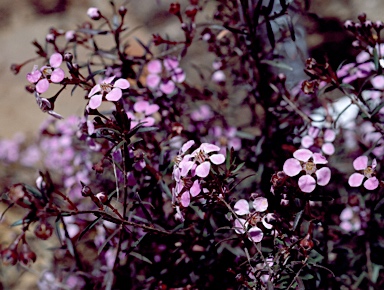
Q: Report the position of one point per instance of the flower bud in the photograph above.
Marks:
(174, 8)
(50, 37)
(68, 56)
(102, 197)
(378, 25)
(70, 35)
(349, 24)
(122, 11)
(94, 13)
(367, 24)
(362, 17)
(44, 230)
(86, 190)
(26, 256)
(9, 257)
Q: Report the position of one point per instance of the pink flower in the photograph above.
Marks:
(225, 138)
(307, 161)
(171, 74)
(249, 224)
(323, 140)
(360, 69)
(111, 92)
(143, 111)
(94, 13)
(350, 219)
(52, 73)
(203, 113)
(356, 179)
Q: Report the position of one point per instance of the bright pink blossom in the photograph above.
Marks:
(47, 74)
(306, 161)
(367, 172)
(111, 92)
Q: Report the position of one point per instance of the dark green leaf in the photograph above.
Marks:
(140, 257)
(377, 109)
(146, 129)
(297, 220)
(107, 241)
(270, 33)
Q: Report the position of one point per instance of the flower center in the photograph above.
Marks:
(200, 156)
(369, 172)
(309, 167)
(106, 87)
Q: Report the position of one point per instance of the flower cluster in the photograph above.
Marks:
(164, 75)
(190, 170)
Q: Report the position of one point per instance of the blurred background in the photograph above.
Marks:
(26, 20)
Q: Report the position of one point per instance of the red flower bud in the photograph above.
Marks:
(9, 257)
(26, 256)
(44, 230)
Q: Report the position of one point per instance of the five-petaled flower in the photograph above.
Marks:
(52, 73)
(143, 111)
(356, 179)
(307, 161)
(111, 92)
(249, 223)
(320, 139)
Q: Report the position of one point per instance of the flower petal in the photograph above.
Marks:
(319, 159)
(178, 75)
(186, 146)
(260, 204)
(195, 189)
(328, 148)
(122, 84)
(241, 207)
(151, 109)
(57, 75)
(95, 101)
(153, 80)
(355, 180)
(94, 90)
(329, 135)
(114, 95)
(167, 87)
(140, 106)
(185, 166)
(217, 159)
(346, 214)
(292, 167)
(170, 63)
(148, 121)
(323, 176)
(185, 199)
(360, 163)
(302, 154)
(307, 141)
(208, 148)
(34, 76)
(42, 86)
(307, 183)
(256, 234)
(371, 183)
(55, 60)
(154, 66)
(239, 226)
(203, 169)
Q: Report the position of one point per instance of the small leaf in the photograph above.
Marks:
(88, 227)
(140, 257)
(270, 33)
(276, 63)
(20, 222)
(34, 191)
(291, 28)
(238, 167)
(297, 220)
(107, 241)
(147, 129)
(377, 109)
(70, 247)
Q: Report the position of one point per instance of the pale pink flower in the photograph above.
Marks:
(307, 161)
(52, 73)
(111, 92)
(249, 223)
(143, 113)
(350, 219)
(356, 179)
(320, 139)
